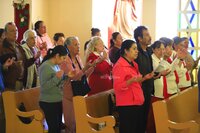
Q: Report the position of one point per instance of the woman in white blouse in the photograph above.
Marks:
(172, 79)
(158, 51)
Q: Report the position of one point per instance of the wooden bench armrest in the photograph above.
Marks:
(192, 125)
(37, 114)
(109, 120)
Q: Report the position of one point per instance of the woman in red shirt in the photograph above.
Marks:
(127, 87)
(100, 80)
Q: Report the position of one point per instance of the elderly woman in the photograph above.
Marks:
(72, 63)
(100, 80)
(168, 62)
(186, 64)
(30, 72)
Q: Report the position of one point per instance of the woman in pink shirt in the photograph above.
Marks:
(127, 86)
(43, 41)
(72, 63)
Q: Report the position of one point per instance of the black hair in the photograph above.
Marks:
(1, 31)
(6, 56)
(61, 50)
(126, 45)
(114, 37)
(156, 44)
(86, 44)
(57, 35)
(37, 26)
(138, 32)
(94, 31)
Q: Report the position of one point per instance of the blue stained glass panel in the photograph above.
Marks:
(183, 4)
(183, 22)
(192, 17)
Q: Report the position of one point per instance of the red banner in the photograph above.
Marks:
(22, 17)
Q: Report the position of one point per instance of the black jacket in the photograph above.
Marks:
(144, 62)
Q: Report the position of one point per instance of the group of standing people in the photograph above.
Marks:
(97, 68)
(38, 62)
(135, 71)
(144, 74)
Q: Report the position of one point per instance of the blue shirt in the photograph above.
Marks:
(2, 87)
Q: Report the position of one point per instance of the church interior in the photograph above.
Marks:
(107, 66)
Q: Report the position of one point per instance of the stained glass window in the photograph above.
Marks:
(188, 26)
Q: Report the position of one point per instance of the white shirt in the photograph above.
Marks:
(171, 78)
(158, 83)
(181, 71)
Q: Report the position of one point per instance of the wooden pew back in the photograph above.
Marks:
(184, 106)
(179, 112)
(97, 105)
(30, 99)
(84, 120)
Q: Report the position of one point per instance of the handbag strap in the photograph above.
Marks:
(76, 61)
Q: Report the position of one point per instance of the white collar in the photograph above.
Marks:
(155, 58)
(97, 54)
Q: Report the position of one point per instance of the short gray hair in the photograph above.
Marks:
(69, 40)
(26, 34)
(7, 24)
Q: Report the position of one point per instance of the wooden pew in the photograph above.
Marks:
(98, 106)
(179, 113)
(83, 119)
(29, 98)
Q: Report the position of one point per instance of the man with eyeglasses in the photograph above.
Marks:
(13, 76)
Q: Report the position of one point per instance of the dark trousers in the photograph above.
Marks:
(145, 109)
(2, 115)
(151, 122)
(130, 119)
(53, 115)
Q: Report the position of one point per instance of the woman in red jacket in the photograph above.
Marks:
(100, 80)
(127, 87)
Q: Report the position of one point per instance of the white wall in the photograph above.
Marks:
(149, 16)
(39, 11)
(166, 18)
(72, 17)
(6, 12)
